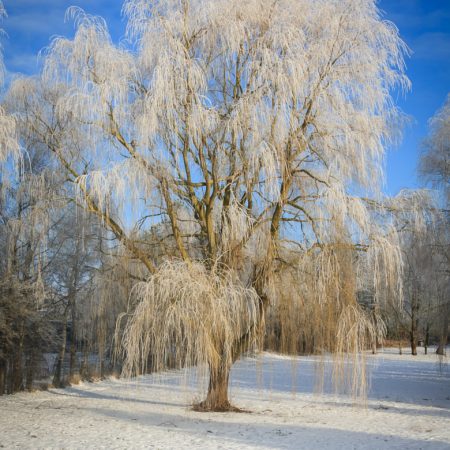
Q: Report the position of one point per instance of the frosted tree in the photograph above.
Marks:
(11, 303)
(434, 166)
(75, 260)
(26, 205)
(239, 133)
(435, 159)
(424, 309)
(421, 298)
(8, 143)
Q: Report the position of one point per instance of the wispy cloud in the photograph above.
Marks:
(424, 25)
(39, 23)
(23, 62)
(433, 46)
(31, 24)
(57, 4)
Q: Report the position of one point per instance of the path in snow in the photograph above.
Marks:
(408, 408)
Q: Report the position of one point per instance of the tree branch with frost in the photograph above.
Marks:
(244, 124)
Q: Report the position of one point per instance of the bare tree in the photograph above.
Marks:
(72, 271)
(435, 159)
(434, 166)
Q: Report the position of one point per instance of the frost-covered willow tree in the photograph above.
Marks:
(240, 132)
(8, 143)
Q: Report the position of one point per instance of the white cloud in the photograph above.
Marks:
(31, 24)
(434, 46)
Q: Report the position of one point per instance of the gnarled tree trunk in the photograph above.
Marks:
(217, 397)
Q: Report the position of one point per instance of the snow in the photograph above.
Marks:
(408, 407)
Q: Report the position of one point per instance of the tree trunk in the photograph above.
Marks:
(102, 366)
(16, 381)
(73, 345)
(84, 369)
(427, 338)
(375, 314)
(444, 334)
(72, 304)
(16, 376)
(31, 362)
(413, 345)
(2, 376)
(217, 397)
(57, 377)
(414, 324)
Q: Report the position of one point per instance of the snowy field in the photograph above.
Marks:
(408, 408)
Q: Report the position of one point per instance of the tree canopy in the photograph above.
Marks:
(230, 146)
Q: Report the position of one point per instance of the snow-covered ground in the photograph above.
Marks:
(408, 407)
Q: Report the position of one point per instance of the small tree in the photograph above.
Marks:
(74, 260)
(434, 166)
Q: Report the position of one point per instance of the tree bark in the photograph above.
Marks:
(375, 343)
(16, 381)
(73, 345)
(84, 369)
(413, 344)
(413, 341)
(57, 377)
(444, 334)
(414, 324)
(2, 375)
(217, 397)
(31, 362)
(16, 375)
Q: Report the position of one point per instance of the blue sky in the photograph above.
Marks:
(423, 24)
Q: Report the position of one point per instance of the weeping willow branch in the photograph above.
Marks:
(188, 314)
